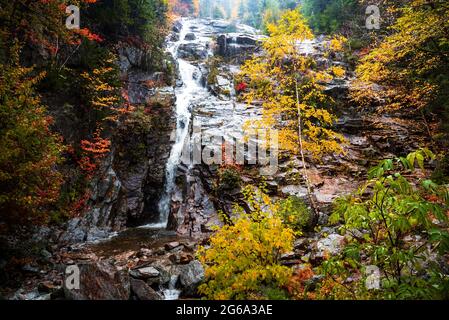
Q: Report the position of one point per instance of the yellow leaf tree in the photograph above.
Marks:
(243, 258)
(290, 87)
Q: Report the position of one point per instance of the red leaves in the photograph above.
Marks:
(79, 206)
(241, 86)
(297, 283)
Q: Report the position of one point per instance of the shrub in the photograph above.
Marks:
(395, 229)
(243, 258)
(242, 261)
(295, 213)
(229, 179)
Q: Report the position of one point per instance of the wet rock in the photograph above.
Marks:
(145, 273)
(332, 244)
(190, 36)
(171, 245)
(174, 37)
(143, 291)
(100, 281)
(180, 258)
(192, 51)
(237, 46)
(191, 275)
(177, 26)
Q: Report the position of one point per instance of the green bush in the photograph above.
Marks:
(381, 229)
(295, 213)
(229, 179)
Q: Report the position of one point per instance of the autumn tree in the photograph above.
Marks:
(411, 64)
(29, 151)
(243, 258)
(291, 90)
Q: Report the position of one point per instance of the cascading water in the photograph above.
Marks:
(171, 293)
(184, 96)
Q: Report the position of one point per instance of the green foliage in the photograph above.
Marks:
(140, 22)
(327, 16)
(29, 152)
(441, 173)
(242, 260)
(295, 213)
(383, 229)
(228, 179)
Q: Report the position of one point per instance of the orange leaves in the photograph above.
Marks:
(86, 33)
(97, 146)
(298, 282)
(93, 151)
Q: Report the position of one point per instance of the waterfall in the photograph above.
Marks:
(184, 96)
(172, 293)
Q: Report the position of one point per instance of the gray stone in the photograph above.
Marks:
(171, 245)
(147, 272)
(143, 291)
(100, 281)
(332, 244)
(191, 275)
(190, 36)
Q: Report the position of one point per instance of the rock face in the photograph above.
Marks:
(237, 46)
(100, 281)
(128, 186)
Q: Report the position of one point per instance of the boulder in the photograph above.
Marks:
(192, 51)
(177, 26)
(171, 245)
(143, 291)
(191, 275)
(190, 36)
(100, 281)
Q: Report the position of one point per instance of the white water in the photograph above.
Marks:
(171, 293)
(184, 96)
